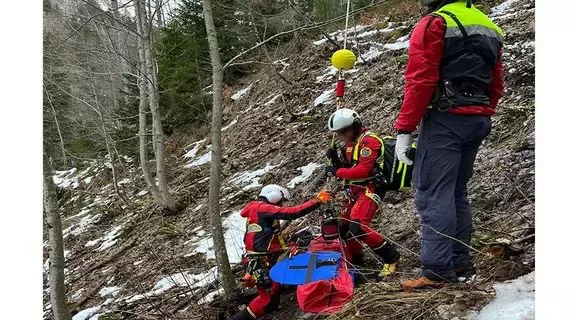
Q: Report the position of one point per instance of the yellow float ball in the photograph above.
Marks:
(343, 59)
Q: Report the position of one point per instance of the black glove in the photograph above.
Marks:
(332, 155)
(331, 171)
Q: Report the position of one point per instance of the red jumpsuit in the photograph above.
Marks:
(262, 238)
(361, 208)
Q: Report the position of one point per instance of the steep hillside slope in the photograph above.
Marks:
(129, 260)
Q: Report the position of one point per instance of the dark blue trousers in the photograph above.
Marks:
(445, 155)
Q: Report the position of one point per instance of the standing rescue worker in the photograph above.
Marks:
(454, 80)
(358, 170)
(264, 243)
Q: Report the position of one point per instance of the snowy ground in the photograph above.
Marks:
(250, 179)
(235, 227)
(307, 172)
(240, 93)
(515, 300)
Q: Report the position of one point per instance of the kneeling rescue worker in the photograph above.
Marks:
(358, 169)
(454, 79)
(264, 244)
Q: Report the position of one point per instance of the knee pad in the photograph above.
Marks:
(242, 315)
(387, 252)
(356, 231)
(273, 304)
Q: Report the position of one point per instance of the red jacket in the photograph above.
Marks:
(368, 153)
(424, 57)
(262, 226)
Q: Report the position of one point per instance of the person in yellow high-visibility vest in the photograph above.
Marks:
(454, 79)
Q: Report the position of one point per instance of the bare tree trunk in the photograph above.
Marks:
(157, 132)
(159, 13)
(64, 158)
(106, 141)
(225, 273)
(56, 273)
(142, 134)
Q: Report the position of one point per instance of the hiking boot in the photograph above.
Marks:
(465, 271)
(357, 260)
(421, 283)
(388, 269)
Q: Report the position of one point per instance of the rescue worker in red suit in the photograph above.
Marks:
(264, 244)
(454, 79)
(358, 172)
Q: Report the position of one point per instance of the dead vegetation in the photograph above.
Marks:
(153, 243)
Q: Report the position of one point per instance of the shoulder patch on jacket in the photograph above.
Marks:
(365, 152)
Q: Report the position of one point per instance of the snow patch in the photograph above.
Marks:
(250, 179)
(325, 97)
(66, 178)
(108, 240)
(328, 73)
(283, 63)
(210, 296)
(195, 147)
(202, 160)
(339, 35)
(235, 226)
(233, 122)
(82, 212)
(182, 279)
(240, 93)
(82, 226)
(400, 44)
(319, 42)
(87, 314)
(367, 33)
(307, 172)
(502, 8)
(78, 294)
(372, 54)
(515, 300)
(109, 291)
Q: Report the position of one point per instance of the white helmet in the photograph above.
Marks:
(274, 193)
(343, 118)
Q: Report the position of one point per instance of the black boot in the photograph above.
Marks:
(242, 315)
(387, 252)
(357, 260)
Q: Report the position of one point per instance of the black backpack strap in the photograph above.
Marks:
(460, 26)
(465, 35)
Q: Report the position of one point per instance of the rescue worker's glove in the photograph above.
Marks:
(248, 281)
(332, 156)
(324, 196)
(331, 171)
(403, 146)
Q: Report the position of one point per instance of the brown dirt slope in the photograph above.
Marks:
(276, 123)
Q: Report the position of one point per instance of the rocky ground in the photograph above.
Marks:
(129, 260)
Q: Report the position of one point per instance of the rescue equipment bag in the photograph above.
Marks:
(398, 175)
(327, 296)
(389, 173)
